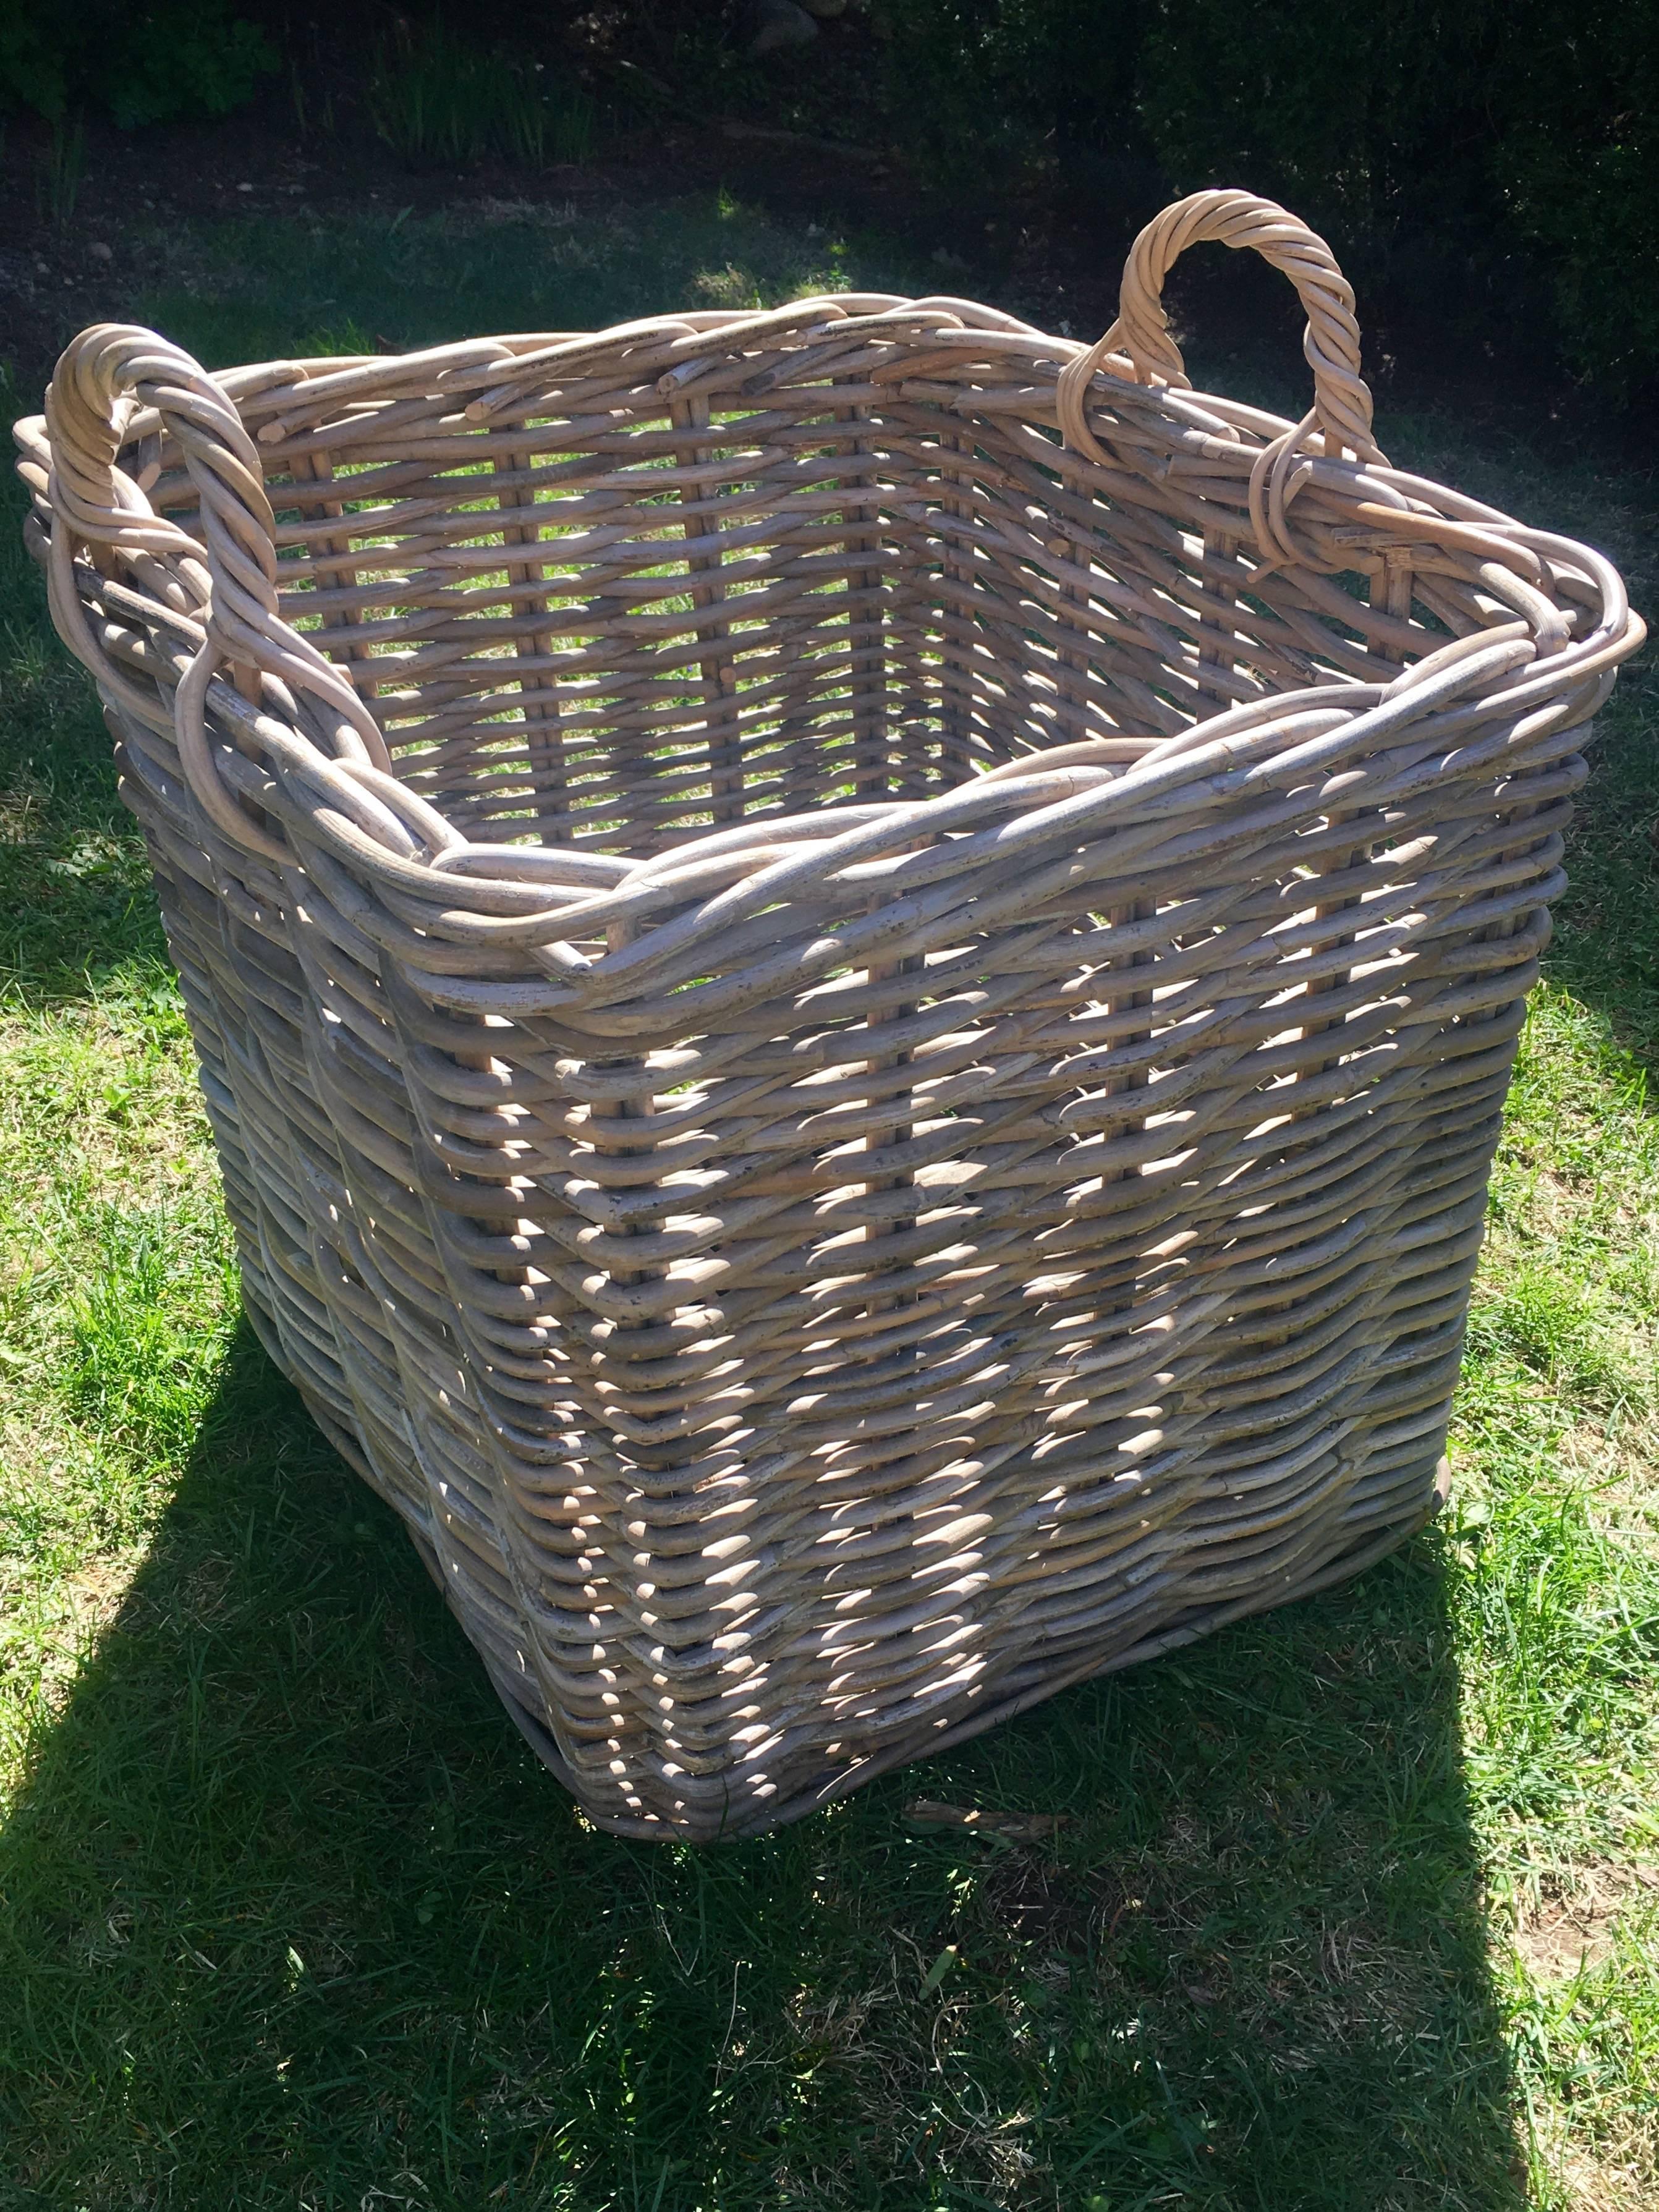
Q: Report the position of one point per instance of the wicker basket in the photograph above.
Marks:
(854, 969)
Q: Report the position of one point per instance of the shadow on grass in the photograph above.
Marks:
(291, 1917)
(1606, 950)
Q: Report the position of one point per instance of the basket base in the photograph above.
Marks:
(541, 1742)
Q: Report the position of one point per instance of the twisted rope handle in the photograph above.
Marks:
(229, 577)
(1341, 412)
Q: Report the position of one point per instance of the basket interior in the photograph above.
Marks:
(601, 618)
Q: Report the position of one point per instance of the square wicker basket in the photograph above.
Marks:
(854, 969)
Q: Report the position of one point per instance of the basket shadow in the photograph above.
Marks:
(294, 1915)
(1604, 952)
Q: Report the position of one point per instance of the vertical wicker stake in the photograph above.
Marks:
(718, 674)
(866, 641)
(958, 678)
(857, 1069)
(538, 689)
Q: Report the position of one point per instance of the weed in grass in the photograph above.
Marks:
(58, 180)
(435, 98)
(313, 104)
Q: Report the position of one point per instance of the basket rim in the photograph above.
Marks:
(540, 897)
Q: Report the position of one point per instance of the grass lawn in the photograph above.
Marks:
(1353, 1906)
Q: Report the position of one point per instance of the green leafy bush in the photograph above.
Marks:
(1483, 157)
(1345, 110)
(33, 62)
(1503, 133)
(163, 63)
(185, 58)
(1577, 164)
(989, 91)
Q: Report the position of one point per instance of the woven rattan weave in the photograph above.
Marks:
(854, 969)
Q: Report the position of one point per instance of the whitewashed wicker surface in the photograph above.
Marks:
(854, 969)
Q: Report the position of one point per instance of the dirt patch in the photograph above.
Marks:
(1573, 1931)
(96, 1590)
(1593, 2184)
(1039, 1902)
(1624, 1495)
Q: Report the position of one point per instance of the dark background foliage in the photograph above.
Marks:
(1490, 165)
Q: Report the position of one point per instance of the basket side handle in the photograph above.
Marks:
(227, 578)
(1342, 400)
